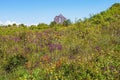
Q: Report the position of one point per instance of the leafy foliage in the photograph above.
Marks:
(14, 62)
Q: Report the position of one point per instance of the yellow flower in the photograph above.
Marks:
(51, 71)
(56, 77)
(53, 67)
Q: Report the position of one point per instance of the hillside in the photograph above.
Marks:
(85, 50)
(112, 14)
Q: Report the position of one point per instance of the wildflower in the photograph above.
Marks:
(98, 49)
(53, 47)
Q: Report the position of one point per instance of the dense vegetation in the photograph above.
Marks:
(85, 50)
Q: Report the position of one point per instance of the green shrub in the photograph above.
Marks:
(14, 62)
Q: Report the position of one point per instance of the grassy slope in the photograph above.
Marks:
(83, 51)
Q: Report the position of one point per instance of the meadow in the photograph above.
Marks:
(88, 49)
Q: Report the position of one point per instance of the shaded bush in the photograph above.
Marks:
(1, 53)
(14, 62)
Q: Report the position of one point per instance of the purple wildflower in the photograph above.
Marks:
(53, 47)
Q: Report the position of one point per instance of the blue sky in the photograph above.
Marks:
(39, 11)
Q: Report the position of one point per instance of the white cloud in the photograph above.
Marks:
(8, 22)
(1, 23)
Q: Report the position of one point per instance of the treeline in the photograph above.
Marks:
(41, 25)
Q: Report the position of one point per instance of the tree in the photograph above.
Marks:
(67, 22)
(42, 26)
(22, 25)
(14, 25)
(52, 24)
(33, 27)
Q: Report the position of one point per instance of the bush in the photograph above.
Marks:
(14, 62)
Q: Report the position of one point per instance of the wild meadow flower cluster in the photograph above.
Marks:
(85, 50)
